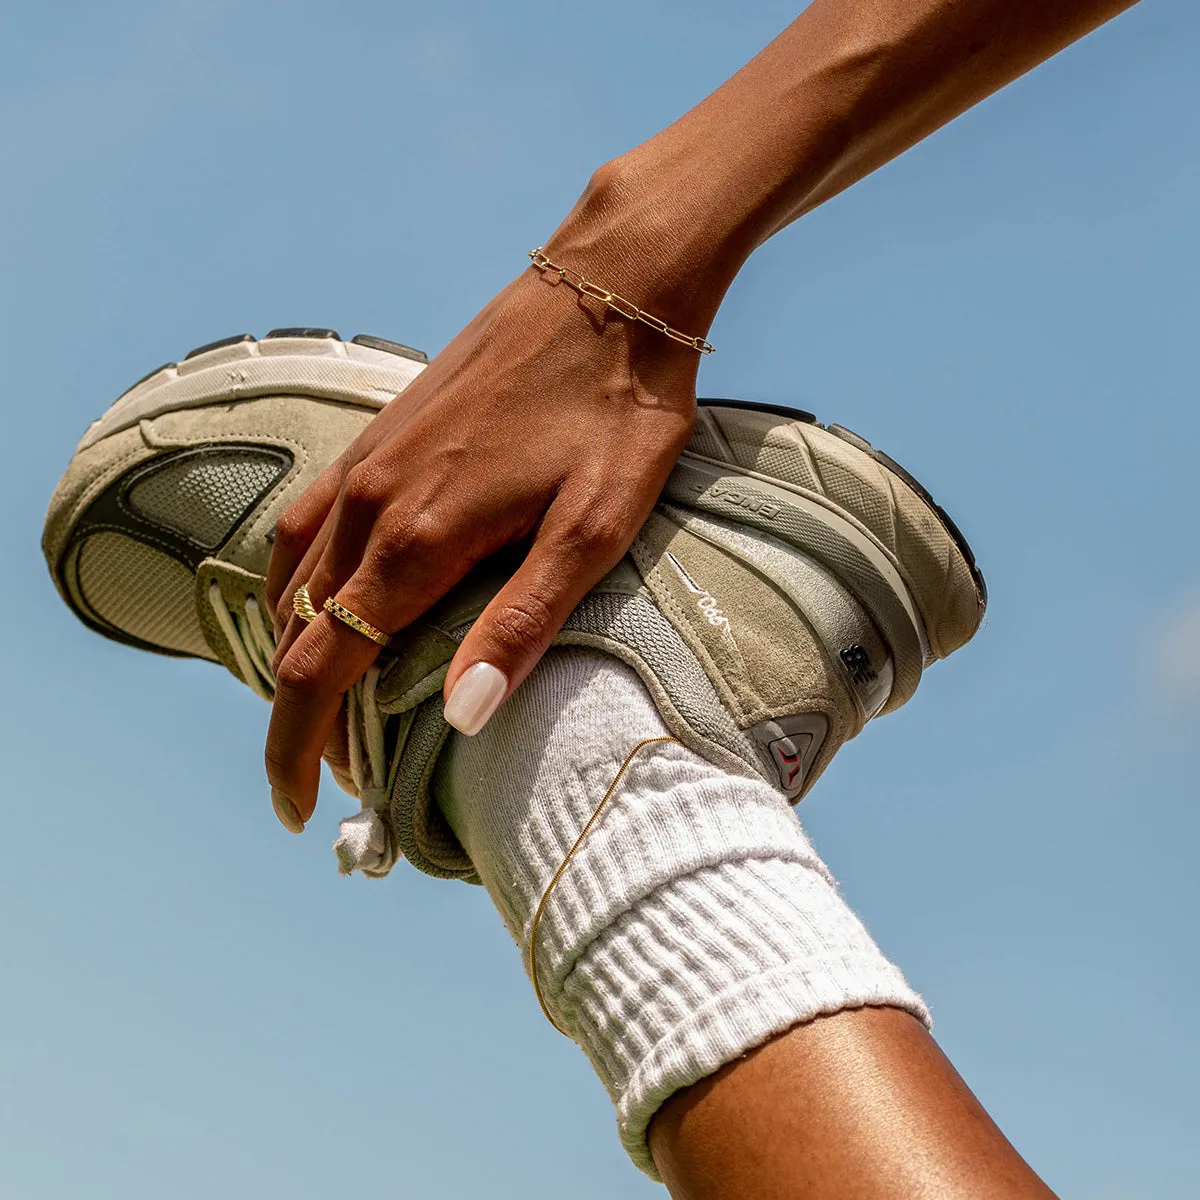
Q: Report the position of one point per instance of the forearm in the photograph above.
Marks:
(862, 1103)
(846, 87)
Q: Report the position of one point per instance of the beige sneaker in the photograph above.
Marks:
(791, 584)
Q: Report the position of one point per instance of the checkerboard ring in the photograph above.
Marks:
(343, 614)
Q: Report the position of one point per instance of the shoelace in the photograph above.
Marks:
(252, 640)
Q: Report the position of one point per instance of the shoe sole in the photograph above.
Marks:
(366, 372)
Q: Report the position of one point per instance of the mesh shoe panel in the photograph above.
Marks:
(202, 496)
(636, 622)
(140, 591)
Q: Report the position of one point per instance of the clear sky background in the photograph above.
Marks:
(192, 1003)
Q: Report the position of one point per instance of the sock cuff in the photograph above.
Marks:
(710, 966)
(674, 816)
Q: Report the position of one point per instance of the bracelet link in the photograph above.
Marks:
(626, 308)
(594, 290)
(619, 304)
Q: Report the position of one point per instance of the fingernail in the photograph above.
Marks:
(476, 695)
(285, 810)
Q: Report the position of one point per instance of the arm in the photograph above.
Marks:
(548, 416)
(846, 87)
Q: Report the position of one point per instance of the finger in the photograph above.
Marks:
(295, 531)
(289, 624)
(333, 558)
(298, 525)
(310, 685)
(337, 752)
(572, 552)
(335, 553)
(405, 568)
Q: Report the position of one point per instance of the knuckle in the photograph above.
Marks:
(423, 533)
(404, 536)
(523, 625)
(364, 491)
(295, 679)
(594, 540)
(292, 529)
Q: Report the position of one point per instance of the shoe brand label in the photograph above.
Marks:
(788, 754)
(857, 660)
(742, 497)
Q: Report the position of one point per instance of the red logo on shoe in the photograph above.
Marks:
(789, 753)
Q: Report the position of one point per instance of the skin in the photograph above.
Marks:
(857, 1106)
(552, 422)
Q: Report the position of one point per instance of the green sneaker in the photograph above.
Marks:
(791, 584)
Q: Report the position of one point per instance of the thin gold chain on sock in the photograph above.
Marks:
(537, 916)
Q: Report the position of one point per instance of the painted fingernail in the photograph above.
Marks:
(285, 810)
(476, 695)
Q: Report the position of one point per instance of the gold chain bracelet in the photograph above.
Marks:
(618, 304)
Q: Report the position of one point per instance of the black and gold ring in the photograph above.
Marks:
(343, 614)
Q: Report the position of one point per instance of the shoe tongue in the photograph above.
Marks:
(419, 656)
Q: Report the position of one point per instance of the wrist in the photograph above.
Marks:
(638, 233)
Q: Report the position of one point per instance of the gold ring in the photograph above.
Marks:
(302, 604)
(343, 614)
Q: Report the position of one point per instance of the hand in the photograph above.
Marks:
(547, 417)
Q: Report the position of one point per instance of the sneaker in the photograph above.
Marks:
(791, 584)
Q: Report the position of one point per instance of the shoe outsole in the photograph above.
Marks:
(362, 339)
(885, 460)
(358, 371)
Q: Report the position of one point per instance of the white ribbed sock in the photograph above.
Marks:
(695, 922)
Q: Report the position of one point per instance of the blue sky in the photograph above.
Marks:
(193, 1002)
